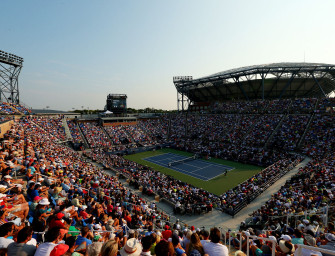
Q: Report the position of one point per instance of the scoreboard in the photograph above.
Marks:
(117, 103)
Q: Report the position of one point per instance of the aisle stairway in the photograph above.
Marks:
(87, 145)
(67, 130)
(269, 140)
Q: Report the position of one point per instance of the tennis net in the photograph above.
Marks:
(188, 159)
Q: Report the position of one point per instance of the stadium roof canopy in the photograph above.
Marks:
(271, 81)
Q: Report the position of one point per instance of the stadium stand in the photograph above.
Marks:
(95, 135)
(76, 136)
(62, 195)
(11, 109)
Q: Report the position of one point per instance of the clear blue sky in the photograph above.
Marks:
(77, 51)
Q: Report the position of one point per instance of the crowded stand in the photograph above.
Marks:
(234, 107)
(290, 132)
(320, 139)
(139, 136)
(55, 202)
(120, 138)
(67, 199)
(53, 126)
(278, 106)
(303, 105)
(262, 129)
(326, 105)
(74, 130)
(301, 212)
(311, 189)
(155, 130)
(95, 135)
(13, 109)
(22, 109)
(6, 108)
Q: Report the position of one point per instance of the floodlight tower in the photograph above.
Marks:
(10, 68)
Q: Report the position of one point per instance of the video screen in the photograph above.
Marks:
(119, 103)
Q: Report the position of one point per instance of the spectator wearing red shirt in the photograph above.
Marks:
(83, 213)
(167, 233)
(58, 221)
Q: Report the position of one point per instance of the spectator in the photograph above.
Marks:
(52, 237)
(146, 244)
(59, 250)
(308, 240)
(177, 247)
(330, 238)
(164, 248)
(167, 233)
(131, 248)
(215, 248)
(85, 237)
(6, 234)
(20, 247)
(195, 247)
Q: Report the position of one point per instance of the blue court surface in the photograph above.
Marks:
(196, 168)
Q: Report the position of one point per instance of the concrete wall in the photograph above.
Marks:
(5, 127)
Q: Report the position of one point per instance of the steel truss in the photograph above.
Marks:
(10, 68)
(183, 100)
(273, 81)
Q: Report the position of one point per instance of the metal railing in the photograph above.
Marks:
(312, 248)
(230, 236)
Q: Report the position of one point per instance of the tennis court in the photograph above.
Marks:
(197, 168)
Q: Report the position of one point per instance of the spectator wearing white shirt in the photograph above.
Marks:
(215, 248)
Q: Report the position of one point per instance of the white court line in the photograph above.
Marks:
(180, 170)
(208, 178)
(208, 165)
(189, 173)
(183, 171)
(173, 157)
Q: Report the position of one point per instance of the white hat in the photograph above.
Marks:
(286, 237)
(247, 233)
(8, 177)
(44, 201)
(283, 247)
(273, 238)
(84, 207)
(97, 226)
(131, 248)
(158, 233)
(178, 226)
(305, 221)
